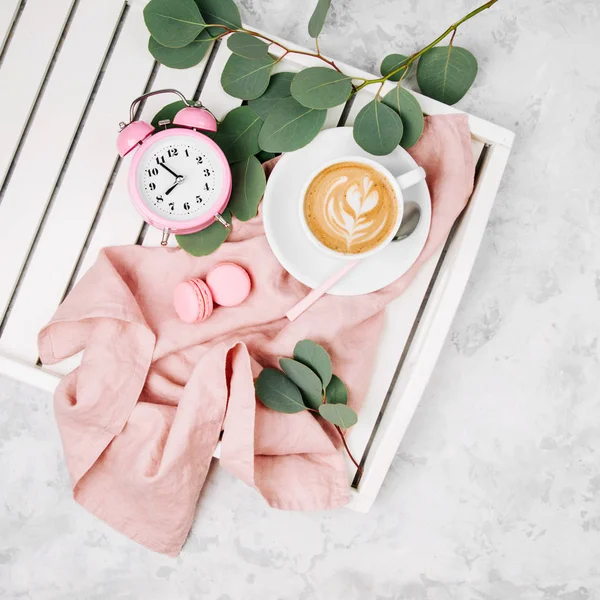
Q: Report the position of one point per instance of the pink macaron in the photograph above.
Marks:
(193, 301)
(229, 283)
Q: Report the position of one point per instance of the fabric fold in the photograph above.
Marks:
(101, 317)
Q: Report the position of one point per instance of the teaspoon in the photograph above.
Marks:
(410, 220)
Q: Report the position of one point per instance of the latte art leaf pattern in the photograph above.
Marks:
(350, 208)
(354, 218)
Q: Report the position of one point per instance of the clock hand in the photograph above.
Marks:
(170, 171)
(177, 182)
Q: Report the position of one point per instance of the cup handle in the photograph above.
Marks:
(411, 178)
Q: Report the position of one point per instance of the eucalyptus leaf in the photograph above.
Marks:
(320, 87)
(237, 135)
(246, 78)
(276, 391)
(409, 109)
(181, 58)
(317, 20)
(338, 414)
(290, 126)
(308, 382)
(173, 24)
(316, 358)
(168, 112)
(279, 87)
(248, 187)
(207, 240)
(336, 392)
(390, 63)
(221, 12)
(246, 45)
(446, 73)
(377, 128)
(263, 156)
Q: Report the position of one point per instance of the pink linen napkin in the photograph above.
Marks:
(142, 415)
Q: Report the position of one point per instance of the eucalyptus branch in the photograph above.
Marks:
(302, 382)
(405, 65)
(411, 59)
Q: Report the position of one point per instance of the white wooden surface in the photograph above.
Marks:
(8, 13)
(82, 187)
(55, 124)
(25, 65)
(64, 196)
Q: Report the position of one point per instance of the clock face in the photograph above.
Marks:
(179, 177)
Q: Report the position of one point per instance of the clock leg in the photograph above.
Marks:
(219, 217)
(165, 236)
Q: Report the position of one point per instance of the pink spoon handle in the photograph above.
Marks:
(313, 296)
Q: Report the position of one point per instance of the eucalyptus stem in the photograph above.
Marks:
(339, 430)
(286, 50)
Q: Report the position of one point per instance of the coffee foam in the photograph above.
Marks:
(350, 207)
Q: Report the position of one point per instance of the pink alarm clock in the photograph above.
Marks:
(179, 179)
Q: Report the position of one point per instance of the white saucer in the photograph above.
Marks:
(296, 252)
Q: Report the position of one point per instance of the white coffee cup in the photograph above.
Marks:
(397, 184)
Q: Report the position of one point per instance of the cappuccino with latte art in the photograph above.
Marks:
(351, 208)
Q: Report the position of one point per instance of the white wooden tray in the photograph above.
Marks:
(63, 196)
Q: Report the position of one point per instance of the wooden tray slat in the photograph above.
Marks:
(212, 94)
(400, 317)
(430, 334)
